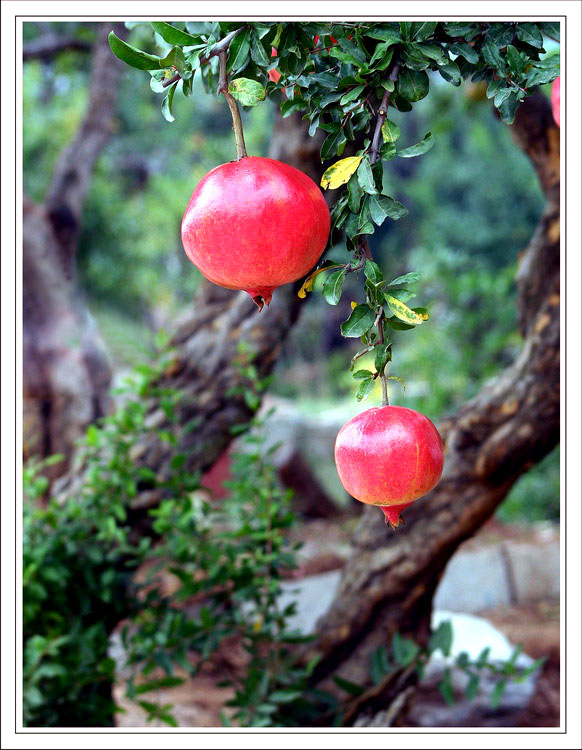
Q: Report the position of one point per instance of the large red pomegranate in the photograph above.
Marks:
(389, 456)
(555, 99)
(255, 224)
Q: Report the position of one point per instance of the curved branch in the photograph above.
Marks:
(71, 179)
(390, 580)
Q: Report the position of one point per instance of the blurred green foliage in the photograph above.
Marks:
(474, 201)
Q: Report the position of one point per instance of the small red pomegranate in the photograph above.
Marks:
(555, 99)
(389, 456)
(255, 224)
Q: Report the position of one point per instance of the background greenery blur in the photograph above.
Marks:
(474, 202)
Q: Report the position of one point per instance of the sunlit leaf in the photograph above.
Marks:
(340, 172)
(403, 312)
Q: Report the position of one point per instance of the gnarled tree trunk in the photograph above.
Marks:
(66, 371)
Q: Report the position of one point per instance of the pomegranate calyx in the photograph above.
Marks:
(392, 514)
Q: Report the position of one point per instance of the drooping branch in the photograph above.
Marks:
(389, 582)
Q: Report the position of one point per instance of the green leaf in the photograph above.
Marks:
(355, 193)
(463, 50)
(508, 108)
(551, 29)
(382, 206)
(390, 131)
(362, 375)
(445, 687)
(167, 103)
(419, 148)
(366, 177)
(497, 693)
(258, 53)
(449, 70)
(248, 92)
(402, 294)
(483, 657)
(421, 31)
(472, 687)
(332, 289)
(350, 687)
(383, 356)
(404, 313)
(352, 95)
(442, 638)
(373, 273)
(131, 55)
(404, 650)
(364, 389)
(408, 278)
(530, 34)
(412, 85)
(146, 687)
(515, 61)
(238, 51)
(175, 58)
(172, 35)
(359, 322)
(385, 34)
(379, 665)
(333, 145)
(285, 696)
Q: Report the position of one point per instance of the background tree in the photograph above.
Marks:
(494, 438)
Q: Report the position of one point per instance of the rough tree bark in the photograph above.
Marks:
(66, 374)
(512, 423)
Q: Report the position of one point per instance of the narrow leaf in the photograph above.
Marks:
(131, 55)
(332, 289)
(408, 278)
(404, 313)
(366, 177)
(390, 131)
(359, 322)
(364, 389)
(419, 148)
(167, 103)
(172, 35)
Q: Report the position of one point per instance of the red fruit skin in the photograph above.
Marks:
(255, 224)
(556, 100)
(389, 456)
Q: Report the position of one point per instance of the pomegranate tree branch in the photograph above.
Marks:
(241, 150)
(382, 112)
(222, 45)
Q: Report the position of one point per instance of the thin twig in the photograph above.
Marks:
(241, 150)
(223, 44)
(382, 112)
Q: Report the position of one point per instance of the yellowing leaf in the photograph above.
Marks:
(353, 305)
(404, 313)
(310, 280)
(340, 172)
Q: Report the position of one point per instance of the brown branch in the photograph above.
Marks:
(71, 179)
(513, 422)
(241, 150)
(381, 117)
(222, 45)
(45, 48)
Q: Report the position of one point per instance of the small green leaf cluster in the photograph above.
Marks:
(228, 559)
(404, 653)
(373, 322)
